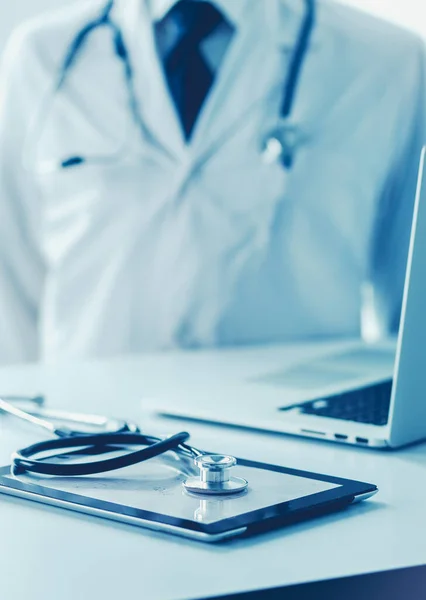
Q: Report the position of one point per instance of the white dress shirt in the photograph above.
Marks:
(214, 47)
(232, 11)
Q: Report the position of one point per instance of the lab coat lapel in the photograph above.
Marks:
(259, 53)
(155, 105)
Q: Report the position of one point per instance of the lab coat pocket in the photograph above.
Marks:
(248, 190)
(239, 179)
(72, 186)
(76, 203)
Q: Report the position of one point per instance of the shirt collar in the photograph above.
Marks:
(233, 11)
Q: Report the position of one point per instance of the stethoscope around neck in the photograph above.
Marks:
(278, 145)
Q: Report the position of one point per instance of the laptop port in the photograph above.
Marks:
(312, 432)
(361, 440)
(340, 436)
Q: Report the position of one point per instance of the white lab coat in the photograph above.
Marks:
(205, 245)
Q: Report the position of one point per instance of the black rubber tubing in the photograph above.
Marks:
(22, 461)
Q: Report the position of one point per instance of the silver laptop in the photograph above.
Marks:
(353, 393)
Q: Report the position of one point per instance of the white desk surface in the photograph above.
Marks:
(48, 553)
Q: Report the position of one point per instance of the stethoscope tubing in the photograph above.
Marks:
(22, 460)
(297, 59)
(122, 433)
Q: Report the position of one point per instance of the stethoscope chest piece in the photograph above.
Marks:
(215, 476)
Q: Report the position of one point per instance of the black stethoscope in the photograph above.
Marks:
(97, 435)
(279, 145)
(93, 433)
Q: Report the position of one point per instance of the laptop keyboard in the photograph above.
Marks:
(368, 404)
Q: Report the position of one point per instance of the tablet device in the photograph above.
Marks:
(151, 495)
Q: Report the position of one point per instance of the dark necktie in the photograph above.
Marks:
(188, 76)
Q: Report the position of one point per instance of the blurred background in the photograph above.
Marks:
(405, 12)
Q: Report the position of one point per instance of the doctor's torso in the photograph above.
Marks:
(199, 244)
